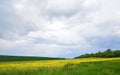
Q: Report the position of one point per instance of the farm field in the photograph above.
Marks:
(59, 37)
(4, 58)
(82, 66)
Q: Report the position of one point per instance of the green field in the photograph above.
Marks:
(83, 66)
(4, 58)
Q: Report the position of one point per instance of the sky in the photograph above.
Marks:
(58, 28)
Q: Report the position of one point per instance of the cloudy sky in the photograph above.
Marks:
(58, 28)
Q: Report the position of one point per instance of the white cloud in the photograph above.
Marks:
(64, 6)
(64, 23)
(6, 44)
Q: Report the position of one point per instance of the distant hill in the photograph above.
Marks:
(106, 54)
(6, 58)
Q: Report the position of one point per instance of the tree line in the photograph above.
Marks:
(106, 54)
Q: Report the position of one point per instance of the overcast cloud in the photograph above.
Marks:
(58, 28)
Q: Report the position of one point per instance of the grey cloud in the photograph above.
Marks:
(42, 26)
(10, 23)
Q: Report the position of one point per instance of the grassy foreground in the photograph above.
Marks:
(83, 66)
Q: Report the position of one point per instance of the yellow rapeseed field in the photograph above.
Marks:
(48, 63)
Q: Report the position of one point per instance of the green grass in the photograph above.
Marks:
(4, 58)
(89, 66)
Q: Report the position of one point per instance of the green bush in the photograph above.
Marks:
(106, 54)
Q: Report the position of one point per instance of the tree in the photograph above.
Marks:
(106, 54)
(108, 50)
